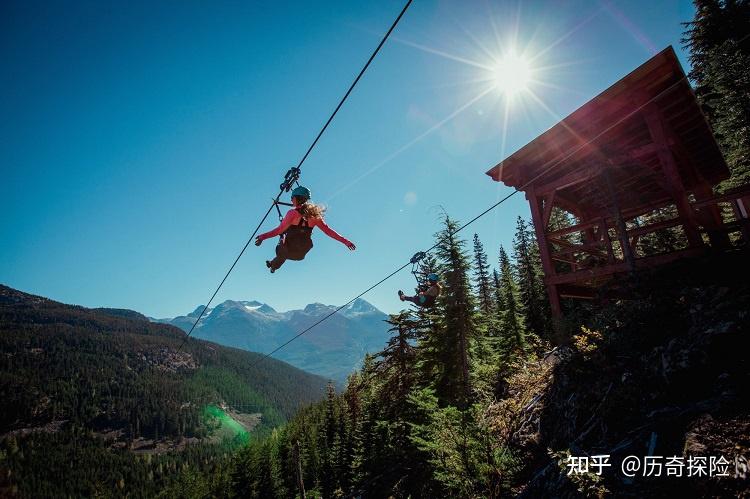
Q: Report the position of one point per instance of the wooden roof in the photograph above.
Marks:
(611, 130)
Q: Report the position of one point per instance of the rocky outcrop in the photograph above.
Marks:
(664, 373)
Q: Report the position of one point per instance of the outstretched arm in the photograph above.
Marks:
(333, 234)
(283, 226)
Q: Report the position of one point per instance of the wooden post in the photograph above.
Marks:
(657, 129)
(541, 238)
(622, 232)
(300, 482)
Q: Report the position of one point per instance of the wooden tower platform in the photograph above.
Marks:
(635, 164)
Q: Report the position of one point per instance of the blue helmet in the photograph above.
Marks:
(300, 191)
(433, 277)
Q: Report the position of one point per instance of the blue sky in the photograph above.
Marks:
(142, 141)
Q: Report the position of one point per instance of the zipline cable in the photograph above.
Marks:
(299, 165)
(226, 275)
(351, 87)
(545, 169)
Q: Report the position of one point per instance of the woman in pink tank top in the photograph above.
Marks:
(296, 229)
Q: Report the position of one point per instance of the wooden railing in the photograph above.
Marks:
(598, 248)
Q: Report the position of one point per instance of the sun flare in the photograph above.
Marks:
(512, 74)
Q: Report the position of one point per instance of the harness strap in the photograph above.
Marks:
(303, 220)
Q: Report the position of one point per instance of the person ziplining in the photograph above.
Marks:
(426, 293)
(296, 230)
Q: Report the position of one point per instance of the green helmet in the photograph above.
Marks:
(301, 192)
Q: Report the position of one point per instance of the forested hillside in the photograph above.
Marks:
(108, 386)
(471, 400)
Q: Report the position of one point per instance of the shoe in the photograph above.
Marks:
(400, 295)
(268, 264)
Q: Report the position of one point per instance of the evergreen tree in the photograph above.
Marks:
(720, 57)
(530, 283)
(512, 327)
(497, 289)
(397, 359)
(458, 323)
(328, 444)
(482, 278)
(431, 339)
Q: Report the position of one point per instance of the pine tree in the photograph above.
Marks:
(497, 290)
(512, 326)
(542, 288)
(481, 275)
(530, 287)
(431, 365)
(459, 320)
(353, 410)
(397, 359)
(720, 57)
(328, 449)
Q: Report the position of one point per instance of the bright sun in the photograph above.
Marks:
(512, 74)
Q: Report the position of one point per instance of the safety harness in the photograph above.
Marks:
(297, 239)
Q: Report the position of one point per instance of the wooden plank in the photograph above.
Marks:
(572, 228)
(594, 248)
(566, 180)
(641, 263)
(637, 212)
(647, 229)
(558, 258)
(579, 292)
(584, 275)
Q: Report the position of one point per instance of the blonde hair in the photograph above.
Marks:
(311, 210)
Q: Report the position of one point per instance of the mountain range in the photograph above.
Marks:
(332, 349)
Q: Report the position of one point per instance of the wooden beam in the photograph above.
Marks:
(567, 204)
(636, 154)
(594, 248)
(572, 228)
(641, 263)
(637, 212)
(657, 129)
(584, 275)
(536, 216)
(541, 237)
(622, 233)
(558, 258)
(580, 292)
(572, 178)
(647, 229)
(549, 201)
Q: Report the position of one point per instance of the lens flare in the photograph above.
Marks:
(512, 74)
